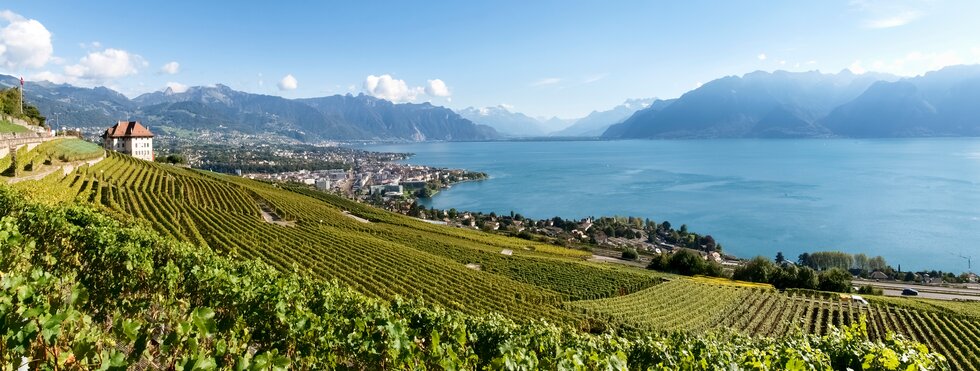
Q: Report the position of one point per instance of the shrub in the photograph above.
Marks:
(869, 290)
(630, 253)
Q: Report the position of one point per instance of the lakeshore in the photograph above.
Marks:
(880, 197)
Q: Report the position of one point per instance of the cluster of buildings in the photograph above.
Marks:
(387, 177)
(323, 180)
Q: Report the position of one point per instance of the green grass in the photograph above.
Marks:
(9, 127)
(70, 149)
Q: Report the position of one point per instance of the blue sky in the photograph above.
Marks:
(543, 58)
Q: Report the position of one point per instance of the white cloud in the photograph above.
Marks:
(782, 63)
(108, 64)
(387, 87)
(546, 81)
(176, 87)
(24, 43)
(56, 78)
(288, 82)
(762, 56)
(171, 68)
(857, 68)
(895, 20)
(594, 78)
(396, 90)
(437, 88)
(697, 84)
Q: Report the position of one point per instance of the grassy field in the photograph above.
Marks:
(8, 127)
(391, 255)
(70, 149)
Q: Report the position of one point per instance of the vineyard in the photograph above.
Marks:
(390, 256)
(686, 305)
(83, 291)
(386, 255)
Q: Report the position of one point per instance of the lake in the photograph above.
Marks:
(914, 201)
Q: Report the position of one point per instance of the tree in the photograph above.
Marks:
(861, 262)
(804, 260)
(660, 262)
(877, 263)
(709, 243)
(780, 258)
(806, 278)
(785, 276)
(835, 279)
(686, 262)
(909, 277)
(759, 269)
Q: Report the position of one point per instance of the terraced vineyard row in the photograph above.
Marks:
(685, 305)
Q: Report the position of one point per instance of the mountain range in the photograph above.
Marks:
(507, 123)
(760, 104)
(596, 122)
(814, 105)
(219, 107)
(516, 124)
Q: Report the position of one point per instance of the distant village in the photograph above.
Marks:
(368, 178)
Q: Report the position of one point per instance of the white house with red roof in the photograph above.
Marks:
(131, 138)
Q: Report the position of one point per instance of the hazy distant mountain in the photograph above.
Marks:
(507, 123)
(383, 119)
(597, 122)
(222, 108)
(940, 103)
(758, 104)
(555, 123)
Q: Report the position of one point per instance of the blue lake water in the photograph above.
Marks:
(914, 201)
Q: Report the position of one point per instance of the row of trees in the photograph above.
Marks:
(686, 262)
(835, 259)
(759, 269)
(784, 276)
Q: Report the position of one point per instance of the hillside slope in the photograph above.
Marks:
(391, 256)
(758, 104)
(83, 291)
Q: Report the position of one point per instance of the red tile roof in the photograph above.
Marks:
(127, 129)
